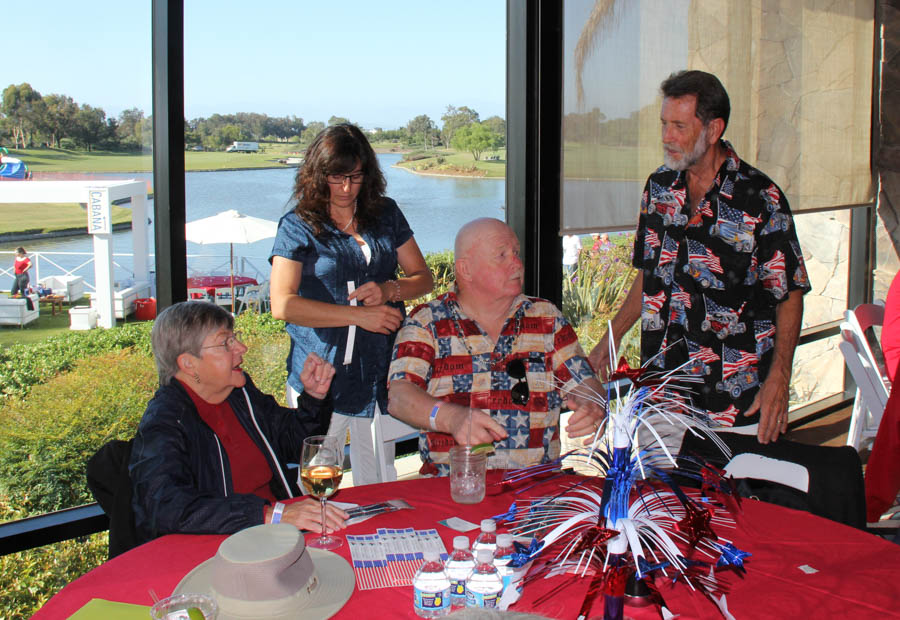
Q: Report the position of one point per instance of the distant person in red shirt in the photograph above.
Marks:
(20, 269)
(890, 333)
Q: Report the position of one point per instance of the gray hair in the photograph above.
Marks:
(182, 328)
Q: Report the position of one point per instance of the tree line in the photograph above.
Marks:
(29, 119)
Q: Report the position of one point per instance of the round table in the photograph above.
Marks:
(800, 564)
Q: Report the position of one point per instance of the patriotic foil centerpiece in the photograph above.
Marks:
(627, 521)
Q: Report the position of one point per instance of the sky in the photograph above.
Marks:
(378, 63)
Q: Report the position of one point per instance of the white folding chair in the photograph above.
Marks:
(386, 427)
(871, 389)
(198, 293)
(249, 298)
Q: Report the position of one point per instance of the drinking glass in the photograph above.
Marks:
(321, 471)
(467, 475)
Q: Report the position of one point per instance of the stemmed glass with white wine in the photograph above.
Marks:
(321, 471)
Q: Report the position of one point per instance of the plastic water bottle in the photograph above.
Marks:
(484, 586)
(458, 566)
(502, 556)
(487, 539)
(431, 588)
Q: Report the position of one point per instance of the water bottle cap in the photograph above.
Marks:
(460, 542)
(485, 556)
(504, 540)
(431, 556)
(488, 525)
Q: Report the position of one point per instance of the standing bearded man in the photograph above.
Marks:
(721, 282)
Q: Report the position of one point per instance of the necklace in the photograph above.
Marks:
(350, 221)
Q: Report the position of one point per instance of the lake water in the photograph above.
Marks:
(436, 207)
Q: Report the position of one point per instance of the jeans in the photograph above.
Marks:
(20, 284)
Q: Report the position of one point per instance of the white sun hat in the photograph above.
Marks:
(267, 571)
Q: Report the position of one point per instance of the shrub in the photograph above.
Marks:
(46, 440)
(417, 155)
(268, 347)
(441, 265)
(24, 366)
(29, 578)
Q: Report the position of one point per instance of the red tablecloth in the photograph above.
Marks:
(855, 572)
(218, 281)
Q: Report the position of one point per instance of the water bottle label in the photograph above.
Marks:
(479, 599)
(432, 600)
(457, 587)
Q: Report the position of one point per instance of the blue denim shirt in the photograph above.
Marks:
(329, 262)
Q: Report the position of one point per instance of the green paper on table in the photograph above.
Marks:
(98, 608)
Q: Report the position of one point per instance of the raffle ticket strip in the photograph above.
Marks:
(391, 557)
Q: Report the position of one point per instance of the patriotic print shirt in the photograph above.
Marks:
(711, 284)
(446, 353)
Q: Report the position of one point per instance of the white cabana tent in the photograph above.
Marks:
(98, 196)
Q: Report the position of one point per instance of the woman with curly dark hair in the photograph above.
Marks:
(334, 282)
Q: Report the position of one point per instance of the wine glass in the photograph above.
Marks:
(321, 471)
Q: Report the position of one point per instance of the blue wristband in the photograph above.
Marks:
(276, 512)
(432, 418)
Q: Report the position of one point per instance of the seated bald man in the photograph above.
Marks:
(486, 350)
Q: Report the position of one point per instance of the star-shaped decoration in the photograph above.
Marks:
(732, 556)
(695, 524)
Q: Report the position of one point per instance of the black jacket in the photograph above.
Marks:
(180, 471)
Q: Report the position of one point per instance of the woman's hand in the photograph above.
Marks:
(372, 294)
(379, 319)
(307, 515)
(316, 376)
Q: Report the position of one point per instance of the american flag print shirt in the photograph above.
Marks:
(712, 283)
(447, 354)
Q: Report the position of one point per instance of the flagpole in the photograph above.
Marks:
(231, 265)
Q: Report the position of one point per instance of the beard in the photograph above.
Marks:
(688, 159)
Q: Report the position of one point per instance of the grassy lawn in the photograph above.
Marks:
(45, 326)
(61, 160)
(456, 163)
(49, 217)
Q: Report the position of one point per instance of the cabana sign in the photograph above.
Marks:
(98, 212)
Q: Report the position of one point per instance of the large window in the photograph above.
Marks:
(799, 76)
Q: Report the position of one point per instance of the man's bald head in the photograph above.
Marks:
(471, 234)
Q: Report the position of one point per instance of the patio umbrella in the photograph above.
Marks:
(230, 227)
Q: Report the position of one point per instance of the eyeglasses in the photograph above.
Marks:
(230, 343)
(519, 392)
(339, 179)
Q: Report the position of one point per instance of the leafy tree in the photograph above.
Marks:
(130, 127)
(59, 117)
(337, 120)
(19, 104)
(454, 119)
(90, 127)
(475, 138)
(312, 130)
(421, 125)
(498, 127)
(227, 134)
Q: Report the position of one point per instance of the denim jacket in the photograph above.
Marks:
(330, 261)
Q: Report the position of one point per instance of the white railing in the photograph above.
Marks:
(46, 264)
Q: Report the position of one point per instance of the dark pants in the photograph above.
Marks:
(20, 283)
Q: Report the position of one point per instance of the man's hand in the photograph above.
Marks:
(307, 515)
(370, 294)
(599, 357)
(586, 416)
(772, 403)
(469, 427)
(379, 319)
(316, 376)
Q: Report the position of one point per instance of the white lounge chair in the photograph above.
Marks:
(14, 311)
